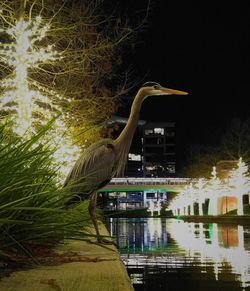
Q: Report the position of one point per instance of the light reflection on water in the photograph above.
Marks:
(170, 254)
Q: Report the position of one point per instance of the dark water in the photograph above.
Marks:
(169, 254)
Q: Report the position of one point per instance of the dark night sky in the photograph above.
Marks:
(202, 48)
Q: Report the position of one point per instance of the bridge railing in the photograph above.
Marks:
(150, 181)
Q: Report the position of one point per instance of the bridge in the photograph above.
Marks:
(145, 184)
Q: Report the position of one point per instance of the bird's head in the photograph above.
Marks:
(154, 89)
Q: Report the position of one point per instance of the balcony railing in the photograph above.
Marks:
(151, 181)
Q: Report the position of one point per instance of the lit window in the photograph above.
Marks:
(170, 133)
(150, 168)
(171, 169)
(151, 195)
(134, 157)
(149, 131)
(122, 194)
(159, 130)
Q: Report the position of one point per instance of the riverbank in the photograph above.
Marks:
(143, 213)
(232, 219)
(136, 213)
(93, 268)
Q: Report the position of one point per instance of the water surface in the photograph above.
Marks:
(170, 254)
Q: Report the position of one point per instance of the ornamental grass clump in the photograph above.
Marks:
(32, 204)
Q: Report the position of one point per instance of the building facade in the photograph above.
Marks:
(132, 199)
(153, 151)
(159, 156)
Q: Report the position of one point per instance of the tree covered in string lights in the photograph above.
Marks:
(214, 191)
(239, 183)
(236, 185)
(23, 99)
(58, 58)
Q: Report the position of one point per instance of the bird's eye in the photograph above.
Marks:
(152, 84)
(157, 87)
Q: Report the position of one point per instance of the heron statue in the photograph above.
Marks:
(107, 158)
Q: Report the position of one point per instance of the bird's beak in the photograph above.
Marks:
(168, 91)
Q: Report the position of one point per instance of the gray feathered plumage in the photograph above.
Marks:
(94, 169)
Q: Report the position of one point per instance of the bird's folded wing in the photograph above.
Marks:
(94, 168)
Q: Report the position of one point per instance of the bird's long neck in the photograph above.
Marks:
(127, 134)
(123, 142)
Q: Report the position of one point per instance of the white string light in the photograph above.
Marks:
(237, 185)
(24, 105)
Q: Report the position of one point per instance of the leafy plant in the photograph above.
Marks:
(32, 205)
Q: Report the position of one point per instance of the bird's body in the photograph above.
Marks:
(94, 169)
(107, 158)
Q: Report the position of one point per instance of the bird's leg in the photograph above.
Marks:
(92, 212)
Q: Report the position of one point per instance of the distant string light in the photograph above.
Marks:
(237, 185)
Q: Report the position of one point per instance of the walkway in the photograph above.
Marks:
(106, 274)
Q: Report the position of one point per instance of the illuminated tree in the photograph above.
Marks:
(60, 58)
(183, 201)
(191, 198)
(214, 191)
(199, 192)
(239, 184)
(24, 100)
(25, 105)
